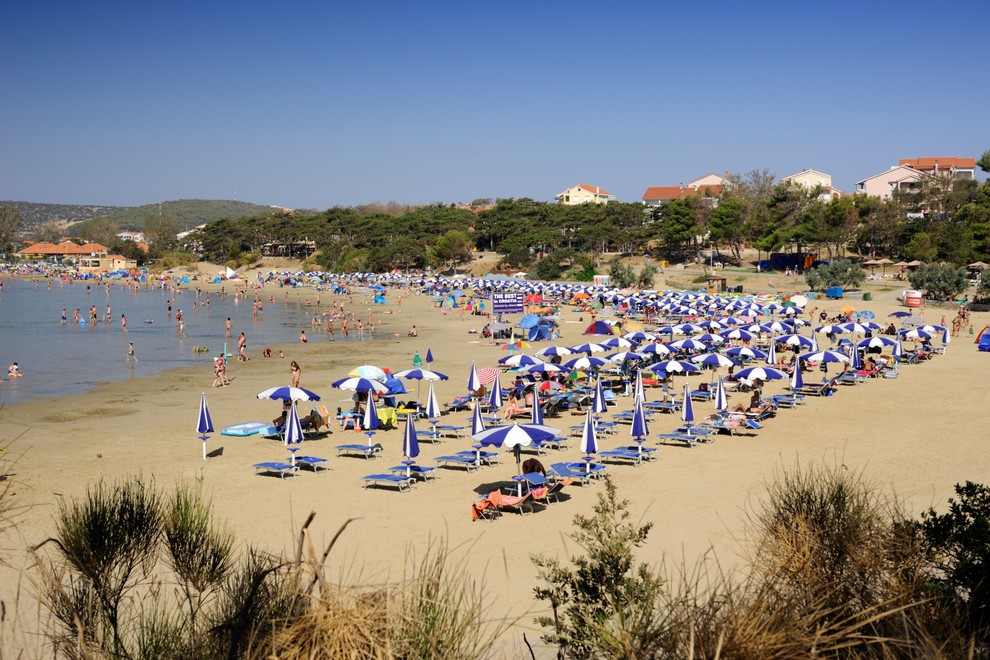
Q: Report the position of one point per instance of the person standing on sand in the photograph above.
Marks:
(343, 325)
(295, 373)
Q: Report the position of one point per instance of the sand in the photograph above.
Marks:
(917, 436)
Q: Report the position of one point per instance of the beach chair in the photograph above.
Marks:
(451, 431)
(588, 469)
(676, 436)
(509, 502)
(621, 454)
(562, 471)
(387, 480)
(274, 468)
(420, 472)
(456, 460)
(367, 451)
(314, 463)
(484, 509)
(480, 457)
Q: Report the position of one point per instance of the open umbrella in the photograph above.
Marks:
(585, 362)
(369, 371)
(673, 367)
(796, 340)
(519, 360)
(772, 354)
(824, 356)
(625, 356)
(714, 360)
(687, 408)
(419, 375)
(359, 385)
(763, 373)
(205, 423)
(514, 436)
(588, 348)
(746, 352)
(876, 341)
(286, 393)
(554, 351)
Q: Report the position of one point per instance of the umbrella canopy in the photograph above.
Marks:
(618, 342)
(286, 393)
(477, 424)
(205, 423)
(714, 360)
(420, 374)
(916, 334)
(688, 345)
(721, 398)
(796, 340)
(519, 360)
(293, 428)
(763, 373)
(432, 406)
(737, 333)
(495, 398)
(746, 352)
(585, 362)
(876, 341)
(640, 429)
(589, 436)
(589, 348)
(370, 421)
(537, 411)
(824, 356)
(654, 349)
(359, 385)
(473, 383)
(410, 444)
(542, 368)
(625, 356)
(687, 408)
(512, 435)
(673, 367)
(553, 351)
(370, 372)
(550, 385)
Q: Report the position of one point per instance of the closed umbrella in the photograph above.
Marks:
(589, 439)
(204, 424)
(598, 404)
(370, 421)
(721, 399)
(687, 409)
(429, 356)
(772, 353)
(639, 429)
(639, 392)
(473, 383)
(537, 413)
(520, 360)
(432, 406)
(797, 380)
(746, 352)
(542, 368)
(495, 398)
(293, 432)
(714, 360)
(554, 351)
(477, 424)
(410, 445)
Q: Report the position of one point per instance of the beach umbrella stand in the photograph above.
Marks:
(205, 422)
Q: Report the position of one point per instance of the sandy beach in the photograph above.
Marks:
(917, 435)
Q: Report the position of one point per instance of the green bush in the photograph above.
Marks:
(939, 281)
(840, 272)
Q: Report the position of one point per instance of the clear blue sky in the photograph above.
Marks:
(314, 104)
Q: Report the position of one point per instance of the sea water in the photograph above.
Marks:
(66, 358)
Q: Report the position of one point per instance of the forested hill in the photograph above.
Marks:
(187, 213)
(35, 214)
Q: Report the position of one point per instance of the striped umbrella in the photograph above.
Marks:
(519, 360)
(763, 373)
(640, 429)
(537, 410)
(370, 421)
(553, 351)
(354, 384)
(495, 398)
(714, 360)
(432, 406)
(745, 351)
(772, 353)
(205, 423)
(587, 362)
(286, 393)
(473, 383)
(639, 393)
(797, 380)
(656, 349)
(687, 410)
(857, 360)
(598, 404)
(542, 368)
(721, 399)
(589, 348)
(477, 424)
(410, 443)
(589, 437)
(898, 350)
(824, 356)
(673, 367)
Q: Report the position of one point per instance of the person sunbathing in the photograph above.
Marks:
(513, 408)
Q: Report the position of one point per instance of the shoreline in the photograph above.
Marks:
(917, 435)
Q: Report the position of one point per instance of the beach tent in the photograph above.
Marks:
(598, 328)
(539, 333)
(379, 299)
(983, 339)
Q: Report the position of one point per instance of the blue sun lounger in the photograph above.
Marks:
(358, 450)
(622, 455)
(315, 463)
(457, 460)
(482, 457)
(415, 471)
(274, 467)
(387, 480)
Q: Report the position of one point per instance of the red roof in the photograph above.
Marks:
(943, 162)
(68, 247)
(594, 189)
(679, 192)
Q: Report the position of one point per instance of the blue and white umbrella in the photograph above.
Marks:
(746, 352)
(877, 341)
(915, 334)
(495, 398)
(543, 368)
(797, 380)
(688, 345)
(355, 384)
(537, 413)
(420, 374)
(589, 348)
(432, 406)
(554, 351)
(204, 424)
(589, 436)
(598, 404)
(640, 429)
(585, 362)
(824, 356)
(772, 354)
(625, 356)
(410, 442)
(617, 342)
(796, 340)
(721, 398)
(293, 434)
(520, 360)
(370, 421)
(737, 333)
(763, 373)
(714, 360)
(687, 408)
(857, 360)
(286, 393)
(477, 424)
(654, 349)
(673, 367)
(639, 392)
(473, 383)
(515, 436)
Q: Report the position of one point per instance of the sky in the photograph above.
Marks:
(317, 104)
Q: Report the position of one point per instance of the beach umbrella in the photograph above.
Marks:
(293, 434)
(537, 412)
(796, 340)
(417, 361)
(639, 392)
(898, 350)
(598, 403)
(721, 398)
(429, 356)
(654, 349)
(772, 353)
(495, 398)
(763, 373)
(515, 436)
(625, 356)
(688, 345)
(737, 333)
(585, 362)
(673, 367)
(473, 383)
(554, 351)
(550, 385)
(204, 424)
(515, 346)
(420, 374)
(687, 408)
(875, 342)
(900, 314)
(359, 385)
(542, 368)
(589, 437)
(410, 444)
(370, 421)
(477, 424)
(857, 360)
(915, 334)
(432, 406)
(824, 356)
(369, 371)
(589, 348)
(714, 360)
(746, 352)
(520, 360)
(639, 336)
(797, 380)
(286, 393)
(862, 328)
(640, 429)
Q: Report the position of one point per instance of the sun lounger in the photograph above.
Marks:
(648, 453)
(562, 471)
(467, 462)
(429, 436)
(480, 457)
(622, 455)
(787, 400)
(661, 406)
(422, 472)
(274, 467)
(689, 439)
(702, 395)
(510, 502)
(387, 480)
(450, 430)
(588, 469)
(821, 389)
(314, 463)
(366, 451)
(558, 442)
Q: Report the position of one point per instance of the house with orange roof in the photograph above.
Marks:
(959, 168)
(66, 251)
(582, 193)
